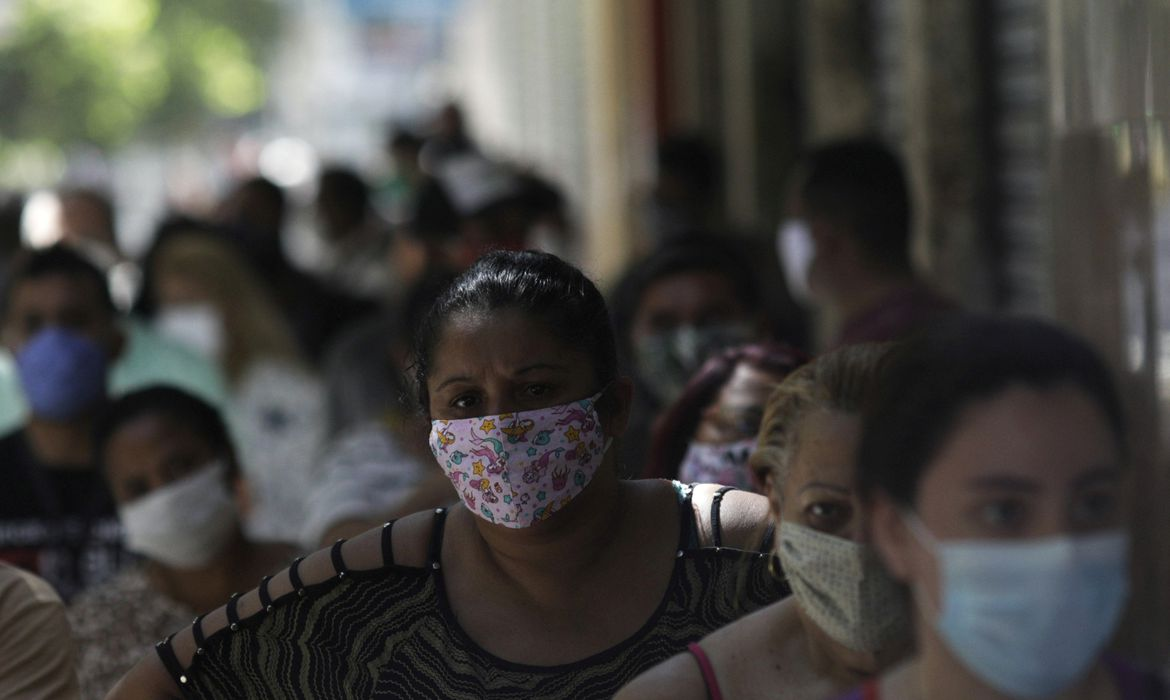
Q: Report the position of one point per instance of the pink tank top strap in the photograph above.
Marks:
(707, 670)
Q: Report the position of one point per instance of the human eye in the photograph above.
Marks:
(537, 390)
(1002, 515)
(1097, 507)
(464, 402)
(828, 516)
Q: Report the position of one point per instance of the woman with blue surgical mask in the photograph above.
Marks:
(171, 468)
(994, 465)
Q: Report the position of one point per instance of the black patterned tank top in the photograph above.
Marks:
(390, 633)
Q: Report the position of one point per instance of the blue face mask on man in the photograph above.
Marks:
(63, 373)
(1028, 618)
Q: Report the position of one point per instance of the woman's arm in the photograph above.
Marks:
(148, 680)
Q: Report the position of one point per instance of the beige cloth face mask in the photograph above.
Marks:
(842, 586)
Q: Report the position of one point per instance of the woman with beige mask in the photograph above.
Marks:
(847, 619)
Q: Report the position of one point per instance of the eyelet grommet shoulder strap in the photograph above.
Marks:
(197, 635)
(716, 525)
(294, 577)
(388, 544)
(339, 566)
(265, 596)
(436, 546)
(233, 612)
(166, 654)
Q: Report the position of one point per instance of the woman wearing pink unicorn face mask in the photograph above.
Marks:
(555, 577)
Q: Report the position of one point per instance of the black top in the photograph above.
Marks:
(390, 632)
(57, 521)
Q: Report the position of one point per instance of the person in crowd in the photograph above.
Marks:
(174, 475)
(490, 200)
(146, 358)
(846, 244)
(513, 593)
(685, 200)
(993, 464)
(847, 618)
(253, 215)
(448, 137)
(36, 650)
(207, 297)
(394, 195)
(11, 214)
(672, 311)
(358, 242)
(376, 466)
(87, 218)
(56, 516)
(709, 433)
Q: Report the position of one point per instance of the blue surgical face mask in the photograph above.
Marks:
(1029, 618)
(63, 373)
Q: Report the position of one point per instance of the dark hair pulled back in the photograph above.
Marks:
(935, 376)
(546, 288)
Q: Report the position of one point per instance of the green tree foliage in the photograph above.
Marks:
(105, 72)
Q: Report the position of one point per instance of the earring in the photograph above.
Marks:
(775, 570)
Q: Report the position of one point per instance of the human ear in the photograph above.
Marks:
(891, 538)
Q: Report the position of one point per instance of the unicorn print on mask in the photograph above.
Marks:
(512, 480)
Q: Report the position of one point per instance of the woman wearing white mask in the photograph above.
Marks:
(172, 471)
(709, 433)
(555, 578)
(847, 619)
(209, 299)
(994, 460)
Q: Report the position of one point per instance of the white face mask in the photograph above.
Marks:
(1028, 618)
(198, 327)
(185, 523)
(794, 245)
(842, 586)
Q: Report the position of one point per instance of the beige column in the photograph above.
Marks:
(618, 110)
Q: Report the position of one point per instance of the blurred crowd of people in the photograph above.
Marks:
(529, 487)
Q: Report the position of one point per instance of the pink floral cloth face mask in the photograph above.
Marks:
(718, 463)
(516, 469)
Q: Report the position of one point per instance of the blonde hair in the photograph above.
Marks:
(254, 326)
(842, 380)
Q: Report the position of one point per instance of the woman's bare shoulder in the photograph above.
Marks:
(677, 678)
(744, 517)
(147, 680)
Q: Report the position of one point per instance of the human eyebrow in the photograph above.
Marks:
(539, 366)
(1097, 476)
(826, 487)
(1004, 483)
(452, 380)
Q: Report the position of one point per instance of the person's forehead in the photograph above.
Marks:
(688, 288)
(154, 433)
(826, 445)
(57, 290)
(748, 386)
(507, 336)
(1055, 433)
